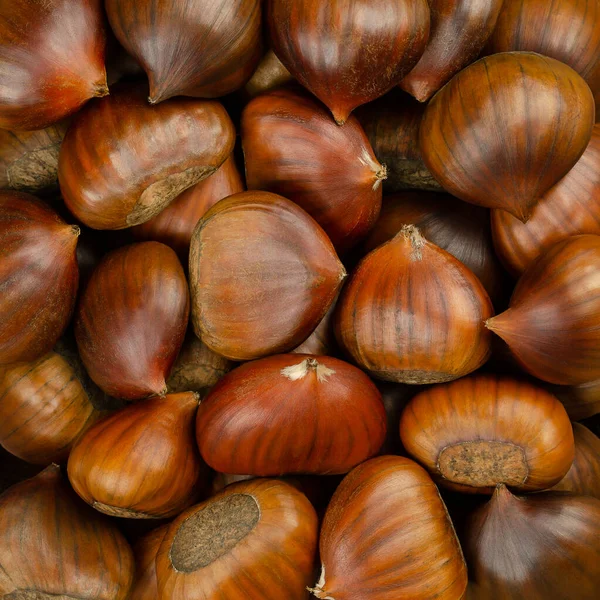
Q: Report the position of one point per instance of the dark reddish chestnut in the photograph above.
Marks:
(201, 48)
(123, 161)
(321, 342)
(291, 414)
(38, 277)
(51, 60)
(293, 148)
(317, 43)
(480, 142)
(145, 551)
(262, 276)
(132, 318)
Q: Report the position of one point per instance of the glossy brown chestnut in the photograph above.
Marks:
(387, 536)
(534, 547)
(459, 30)
(175, 224)
(581, 401)
(53, 546)
(262, 276)
(255, 540)
(293, 148)
(321, 342)
(412, 313)
(123, 161)
(197, 367)
(567, 30)
(269, 74)
(392, 125)
(479, 139)
(569, 208)
(38, 277)
(349, 52)
(291, 413)
(145, 551)
(141, 462)
(201, 48)
(51, 60)
(461, 229)
(484, 430)
(132, 318)
(552, 323)
(29, 159)
(584, 475)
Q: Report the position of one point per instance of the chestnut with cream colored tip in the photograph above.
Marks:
(291, 413)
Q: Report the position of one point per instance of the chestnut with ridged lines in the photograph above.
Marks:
(291, 413)
(485, 430)
(132, 319)
(481, 142)
(123, 161)
(293, 148)
(570, 207)
(412, 313)
(387, 536)
(200, 48)
(256, 540)
(551, 325)
(262, 276)
(348, 52)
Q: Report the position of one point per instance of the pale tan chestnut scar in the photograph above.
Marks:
(483, 464)
(116, 511)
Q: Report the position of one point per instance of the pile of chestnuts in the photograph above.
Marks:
(299, 298)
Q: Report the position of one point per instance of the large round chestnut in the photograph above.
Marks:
(51, 60)
(552, 325)
(534, 547)
(412, 313)
(571, 207)
(140, 462)
(38, 277)
(349, 52)
(480, 141)
(293, 148)
(262, 276)
(132, 318)
(461, 229)
(255, 540)
(387, 536)
(459, 30)
(200, 48)
(53, 546)
(484, 430)
(291, 413)
(123, 161)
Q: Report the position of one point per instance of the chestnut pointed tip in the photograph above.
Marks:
(76, 230)
(319, 589)
(340, 116)
(502, 494)
(101, 89)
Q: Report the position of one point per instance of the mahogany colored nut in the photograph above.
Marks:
(291, 413)
(123, 161)
(145, 551)
(484, 430)
(38, 277)
(262, 276)
(132, 318)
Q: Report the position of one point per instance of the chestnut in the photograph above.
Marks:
(262, 276)
(51, 60)
(534, 547)
(480, 142)
(321, 342)
(140, 462)
(201, 48)
(291, 413)
(551, 325)
(256, 540)
(412, 313)
(54, 546)
(485, 430)
(269, 74)
(131, 320)
(122, 161)
(581, 401)
(568, 208)
(293, 148)
(38, 277)
(145, 550)
(317, 42)
(387, 536)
